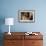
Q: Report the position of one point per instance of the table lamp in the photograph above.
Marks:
(9, 21)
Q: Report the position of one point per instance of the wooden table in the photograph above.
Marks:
(20, 39)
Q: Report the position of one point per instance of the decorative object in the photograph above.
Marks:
(30, 33)
(9, 21)
(26, 16)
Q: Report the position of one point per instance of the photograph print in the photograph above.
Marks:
(26, 15)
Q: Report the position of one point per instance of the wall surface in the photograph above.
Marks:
(9, 8)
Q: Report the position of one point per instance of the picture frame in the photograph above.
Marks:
(26, 16)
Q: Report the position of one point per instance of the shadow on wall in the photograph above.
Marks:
(2, 21)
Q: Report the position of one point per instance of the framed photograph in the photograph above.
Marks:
(26, 16)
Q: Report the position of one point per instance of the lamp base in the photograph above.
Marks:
(9, 33)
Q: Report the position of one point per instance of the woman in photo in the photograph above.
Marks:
(24, 15)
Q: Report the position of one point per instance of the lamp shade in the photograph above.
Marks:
(9, 21)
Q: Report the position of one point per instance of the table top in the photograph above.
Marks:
(22, 35)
